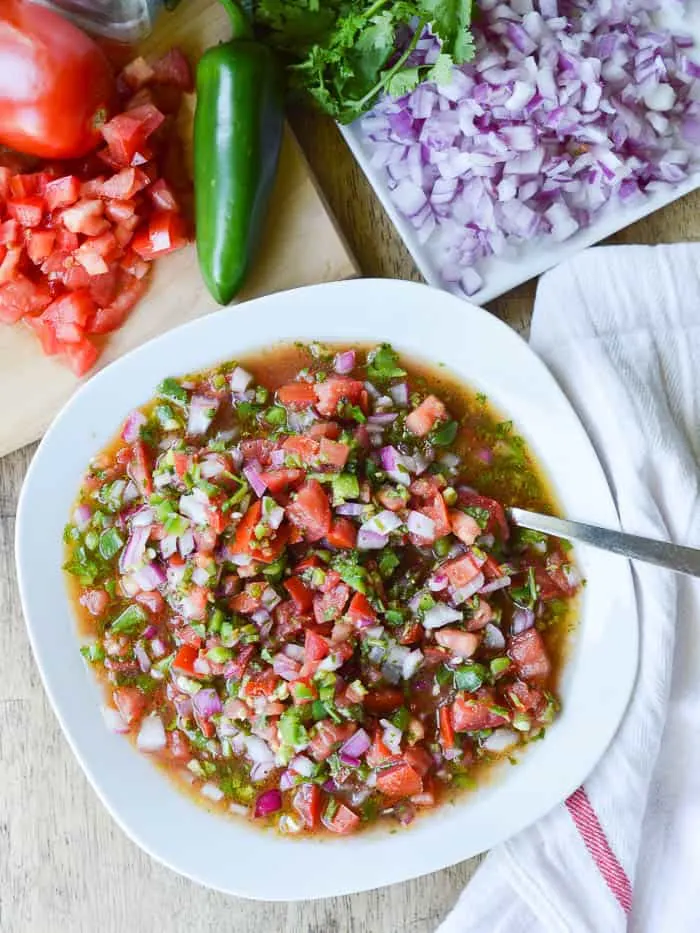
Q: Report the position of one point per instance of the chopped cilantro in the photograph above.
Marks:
(171, 388)
(383, 364)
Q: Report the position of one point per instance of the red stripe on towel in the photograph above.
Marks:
(588, 825)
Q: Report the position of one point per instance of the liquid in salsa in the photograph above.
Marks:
(301, 592)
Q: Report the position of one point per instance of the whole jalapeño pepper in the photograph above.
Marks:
(238, 127)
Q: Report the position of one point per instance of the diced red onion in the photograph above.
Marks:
(372, 390)
(201, 414)
(286, 780)
(463, 593)
(420, 525)
(133, 554)
(329, 786)
(149, 577)
(352, 509)
(81, 517)
(132, 426)
(399, 394)
(383, 523)
(257, 749)
(567, 106)
(131, 493)
(573, 577)
(441, 614)
(273, 514)
(240, 380)
(200, 576)
(371, 540)
(151, 736)
(500, 740)
(277, 458)
(141, 656)
(391, 736)
(211, 467)
(183, 706)
(168, 545)
(113, 720)
(395, 465)
(437, 582)
(523, 619)
(141, 517)
(295, 652)
(344, 362)
(349, 760)
(382, 419)
(193, 508)
(494, 585)
(270, 801)
(158, 648)
(357, 745)
(186, 543)
(252, 474)
(449, 460)
(207, 702)
(411, 663)
(302, 765)
(285, 667)
(211, 791)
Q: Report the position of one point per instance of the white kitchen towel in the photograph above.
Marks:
(619, 327)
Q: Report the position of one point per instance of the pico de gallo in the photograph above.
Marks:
(301, 592)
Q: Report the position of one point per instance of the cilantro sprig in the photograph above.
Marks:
(345, 53)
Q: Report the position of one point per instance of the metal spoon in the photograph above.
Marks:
(672, 556)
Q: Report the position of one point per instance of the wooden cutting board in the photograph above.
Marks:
(301, 246)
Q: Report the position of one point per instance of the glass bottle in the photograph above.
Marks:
(121, 20)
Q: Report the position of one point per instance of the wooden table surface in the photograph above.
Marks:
(64, 864)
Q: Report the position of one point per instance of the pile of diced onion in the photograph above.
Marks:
(569, 108)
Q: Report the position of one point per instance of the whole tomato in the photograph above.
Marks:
(56, 86)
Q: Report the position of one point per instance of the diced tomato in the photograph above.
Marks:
(330, 605)
(279, 480)
(28, 212)
(333, 391)
(245, 542)
(131, 290)
(342, 533)
(66, 241)
(165, 233)
(422, 419)
(529, 654)
(400, 780)
(173, 69)
(461, 570)
(62, 192)
(523, 697)
(9, 233)
(126, 133)
(103, 288)
(315, 646)
(119, 211)
(130, 702)
(378, 752)
(491, 568)
(178, 745)
(461, 644)
(343, 821)
(10, 263)
(73, 308)
(261, 684)
(39, 244)
(411, 633)
(436, 511)
(305, 448)
(134, 265)
(136, 74)
(300, 593)
(183, 662)
(447, 733)
(360, 609)
(5, 180)
(334, 454)
(476, 711)
(383, 700)
(297, 395)
(466, 528)
(152, 600)
(497, 523)
(162, 196)
(91, 261)
(139, 469)
(22, 296)
(95, 601)
(307, 802)
(310, 510)
(327, 736)
(85, 217)
(45, 332)
(124, 185)
(321, 429)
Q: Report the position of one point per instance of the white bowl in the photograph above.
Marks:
(236, 857)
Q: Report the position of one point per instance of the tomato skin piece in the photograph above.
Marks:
(311, 511)
(297, 395)
(139, 469)
(307, 802)
(342, 533)
(245, 542)
(343, 821)
(400, 780)
(447, 733)
(173, 70)
(56, 85)
(300, 593)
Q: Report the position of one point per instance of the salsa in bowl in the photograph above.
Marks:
(302, 594)
(591, 687)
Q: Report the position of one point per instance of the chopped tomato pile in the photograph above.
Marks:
(296, 599)
(77, 238)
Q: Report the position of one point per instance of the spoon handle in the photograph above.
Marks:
(672, 556)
